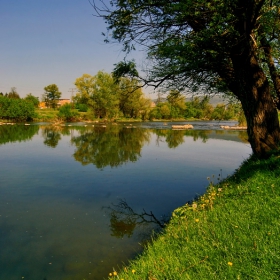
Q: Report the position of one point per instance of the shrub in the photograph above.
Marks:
(16, 109)
(67, 113)
(82, 107)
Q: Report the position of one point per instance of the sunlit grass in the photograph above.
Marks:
(231, 232)
(46, 114)
(51, 115)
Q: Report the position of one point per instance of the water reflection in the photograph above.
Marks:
(17, 133)
(110, 146)
(124, 220)
(51, 136)
(174, 138)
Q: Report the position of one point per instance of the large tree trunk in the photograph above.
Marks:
(259, 108)
(262, 122)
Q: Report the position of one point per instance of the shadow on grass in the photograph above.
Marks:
(253, 166)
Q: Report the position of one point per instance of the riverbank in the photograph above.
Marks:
(231, 232)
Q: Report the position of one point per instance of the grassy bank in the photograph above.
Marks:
(231, 232)
(51, 115)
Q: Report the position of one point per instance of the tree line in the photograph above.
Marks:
(176, 107)
(111, 99)
(14, 108)
(102, 96)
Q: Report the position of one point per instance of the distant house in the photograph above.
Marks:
(60, 102)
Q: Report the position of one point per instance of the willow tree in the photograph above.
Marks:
(223, 45)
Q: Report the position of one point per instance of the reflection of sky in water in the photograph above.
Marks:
(51, 220)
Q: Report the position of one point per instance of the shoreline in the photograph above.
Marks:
(230, 232)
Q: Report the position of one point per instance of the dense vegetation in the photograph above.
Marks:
(197, 108)
(230, 232)
(111, 99)
(103, 97)
(16, 109)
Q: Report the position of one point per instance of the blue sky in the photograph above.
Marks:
(51, 42)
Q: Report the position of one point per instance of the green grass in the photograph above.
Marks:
(231, 232)
(51, 115)
(46, 115)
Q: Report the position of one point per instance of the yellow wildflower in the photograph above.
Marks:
(197, 220)
(230, 263)
(110, 274)
(115, 273)
(133, 271)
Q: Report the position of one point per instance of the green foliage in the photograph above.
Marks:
(124, 69)
(110, 99)
(81, 107)
(16, 109)
(34, 100)
(51, 95)
(66, 112)
(46, 114)
(99, 93)
(217, 45)
(13, 94)
(199, 108)
(231, 232)
(177, 103)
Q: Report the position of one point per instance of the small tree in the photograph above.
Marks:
(67, 113)
(34, 100)
(13, 93)
(51, 96)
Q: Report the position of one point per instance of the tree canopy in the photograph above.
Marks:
(16, 109)
(51, 95)
(218, 45)
(109, 97)
(33, 99)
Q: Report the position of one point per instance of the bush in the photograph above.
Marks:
(16, 109)
(82, 107)
(67, 113)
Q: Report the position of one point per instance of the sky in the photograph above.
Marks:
(45, 42)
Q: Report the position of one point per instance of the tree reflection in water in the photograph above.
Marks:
(51, 135)
(124, 220)
(114, 145)
(174, 138)
(110, 146)
(17, 133)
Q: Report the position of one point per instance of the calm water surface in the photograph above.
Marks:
(70, 196)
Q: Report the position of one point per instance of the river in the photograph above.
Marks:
(76, 200)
